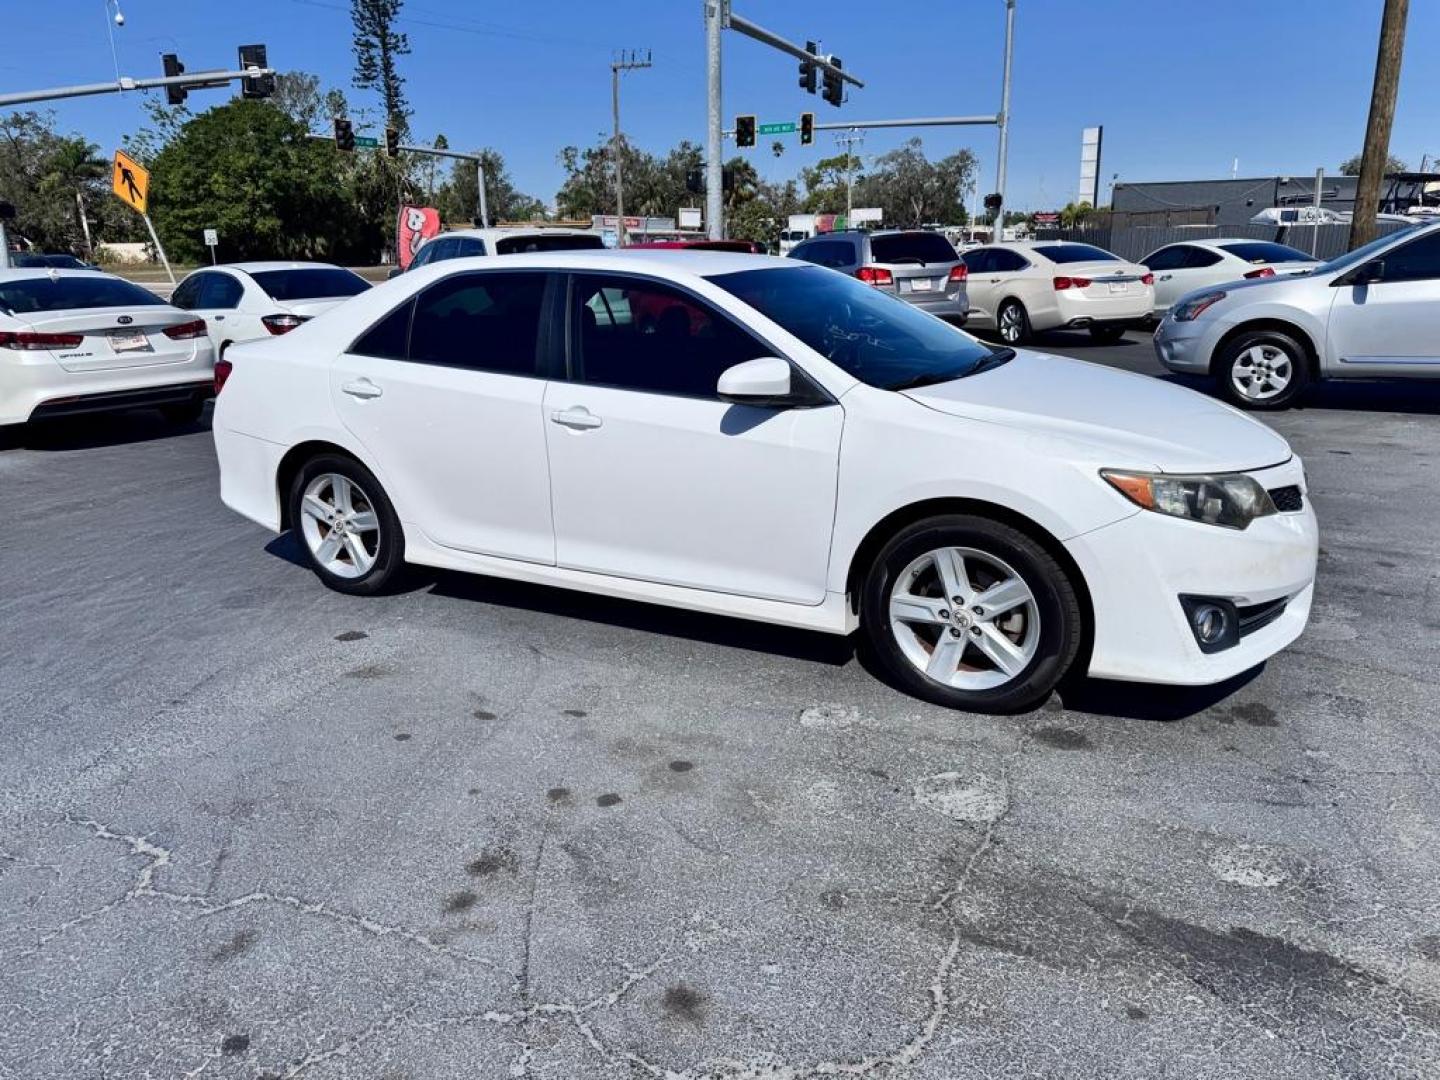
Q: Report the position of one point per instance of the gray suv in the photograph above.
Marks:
(919, 267)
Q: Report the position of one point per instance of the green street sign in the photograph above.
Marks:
(777, 129)
(366, 141)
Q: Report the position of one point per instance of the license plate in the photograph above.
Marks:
(921, 284)
(1118, 289)
(129, 341)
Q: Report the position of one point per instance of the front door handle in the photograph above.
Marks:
(362, 388)
(579, 418)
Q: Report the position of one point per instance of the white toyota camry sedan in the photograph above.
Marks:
(747, 436)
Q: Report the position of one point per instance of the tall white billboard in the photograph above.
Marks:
(1090, 166)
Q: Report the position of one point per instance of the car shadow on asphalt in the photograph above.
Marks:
(94, 430)
(1420, 397)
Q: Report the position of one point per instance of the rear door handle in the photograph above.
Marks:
(578, 418)
(1166, 277)
(362, 388)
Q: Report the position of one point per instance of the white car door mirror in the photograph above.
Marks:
(764, 381)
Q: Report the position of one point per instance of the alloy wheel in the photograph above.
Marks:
(1012, 324)
(1262, 372)
(340, 525)
(964, 618)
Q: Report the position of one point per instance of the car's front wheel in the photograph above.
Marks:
(346, 525)
(970, 613)
(1013, 323)
(1266, 369)
(1106, 333)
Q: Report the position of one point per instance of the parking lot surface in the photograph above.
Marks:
(253, 828)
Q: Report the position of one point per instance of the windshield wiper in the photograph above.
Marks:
(994, 359)
(930, 378)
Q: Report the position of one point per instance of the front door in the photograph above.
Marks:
(1390, 326)
(446, 393)
(654, 478)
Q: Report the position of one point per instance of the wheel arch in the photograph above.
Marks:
(879, 533)
(1277, 325)
(291, 464)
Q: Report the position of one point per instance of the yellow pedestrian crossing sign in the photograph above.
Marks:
(130, 181)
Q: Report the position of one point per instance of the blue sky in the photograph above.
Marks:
(1181, 86)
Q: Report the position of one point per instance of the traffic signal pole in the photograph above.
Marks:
(456, 155)
(196, 80)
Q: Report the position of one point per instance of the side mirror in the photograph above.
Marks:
(762, 383)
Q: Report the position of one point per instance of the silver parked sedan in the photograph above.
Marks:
(920, 267)
(1371, 313)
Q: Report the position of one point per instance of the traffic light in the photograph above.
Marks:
(807, 70)
(807, 128)
(744, 131)
(994, 201)
(694, 182)
(344, 135)
(258, 86)
(392, 142)
(174, 95)
(834, 85)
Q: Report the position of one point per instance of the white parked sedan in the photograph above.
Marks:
(245, 301)
(760, 438)
(1195, 264)
(79, 341)
(1019, 289)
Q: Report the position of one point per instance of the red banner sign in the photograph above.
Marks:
(416, 225)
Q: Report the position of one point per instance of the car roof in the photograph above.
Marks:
(20, 273)
(682, 262)
(272, 264)
(500, 232)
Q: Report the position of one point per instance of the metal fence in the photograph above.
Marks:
(1135, 242)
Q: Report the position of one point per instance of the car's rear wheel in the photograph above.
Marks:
(970, 613)
(1107, 333)
(1265, 369)
(346, 525)
(1013, 322)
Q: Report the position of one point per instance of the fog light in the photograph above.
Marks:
(1214, 622)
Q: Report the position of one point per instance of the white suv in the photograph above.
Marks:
(467, 243)
(1374, 312)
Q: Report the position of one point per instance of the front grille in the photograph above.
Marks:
(1255, 616)
(1288, 500)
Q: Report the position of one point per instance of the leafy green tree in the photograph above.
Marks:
(247, 169)
(377, 45)
(1351, 166)
(825, 183)
(457, 199)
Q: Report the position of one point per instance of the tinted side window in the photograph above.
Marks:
(483, 321)
(465, 246)
(1007, 261)
(978, 261)
(219, 291)
(389, 338)
(1418, 260)
(833, 253)
(641, 335)
(187, 292)
(1195, 258)
(1170, 258)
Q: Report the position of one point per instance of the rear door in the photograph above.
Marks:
(446, 393)
(920, 264)
(102, 323)
(980, 285)
(218, 303)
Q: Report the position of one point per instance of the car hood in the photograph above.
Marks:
(1128, 421)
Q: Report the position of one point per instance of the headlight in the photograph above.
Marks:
(1191, 309)
(1230, 499)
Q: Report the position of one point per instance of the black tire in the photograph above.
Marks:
(1017, 333)
(1106, 333)
(184, 412)
(1236, 355)
(1056, 603)
(388, 568)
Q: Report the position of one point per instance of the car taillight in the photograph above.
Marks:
(193, 329)
(875, 275)
(959, 272)
(1063, 283)
(222, 372)
(1147, 279)
(281, 324)
(1264, 271)
(24, 339)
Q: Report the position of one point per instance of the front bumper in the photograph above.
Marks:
(1185, 346)
(1138, 568)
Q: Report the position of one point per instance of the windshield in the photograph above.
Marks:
(1360, 254)
(1073, 253)
(514, 245)
(310, 284)
(31, 295)
(868, 333)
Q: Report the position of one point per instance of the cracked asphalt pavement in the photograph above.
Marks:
(252, 828)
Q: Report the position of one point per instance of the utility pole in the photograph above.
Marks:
(1376, 152)
(1005, 115)
(715, 11)
(848, 140)
(626, 61)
